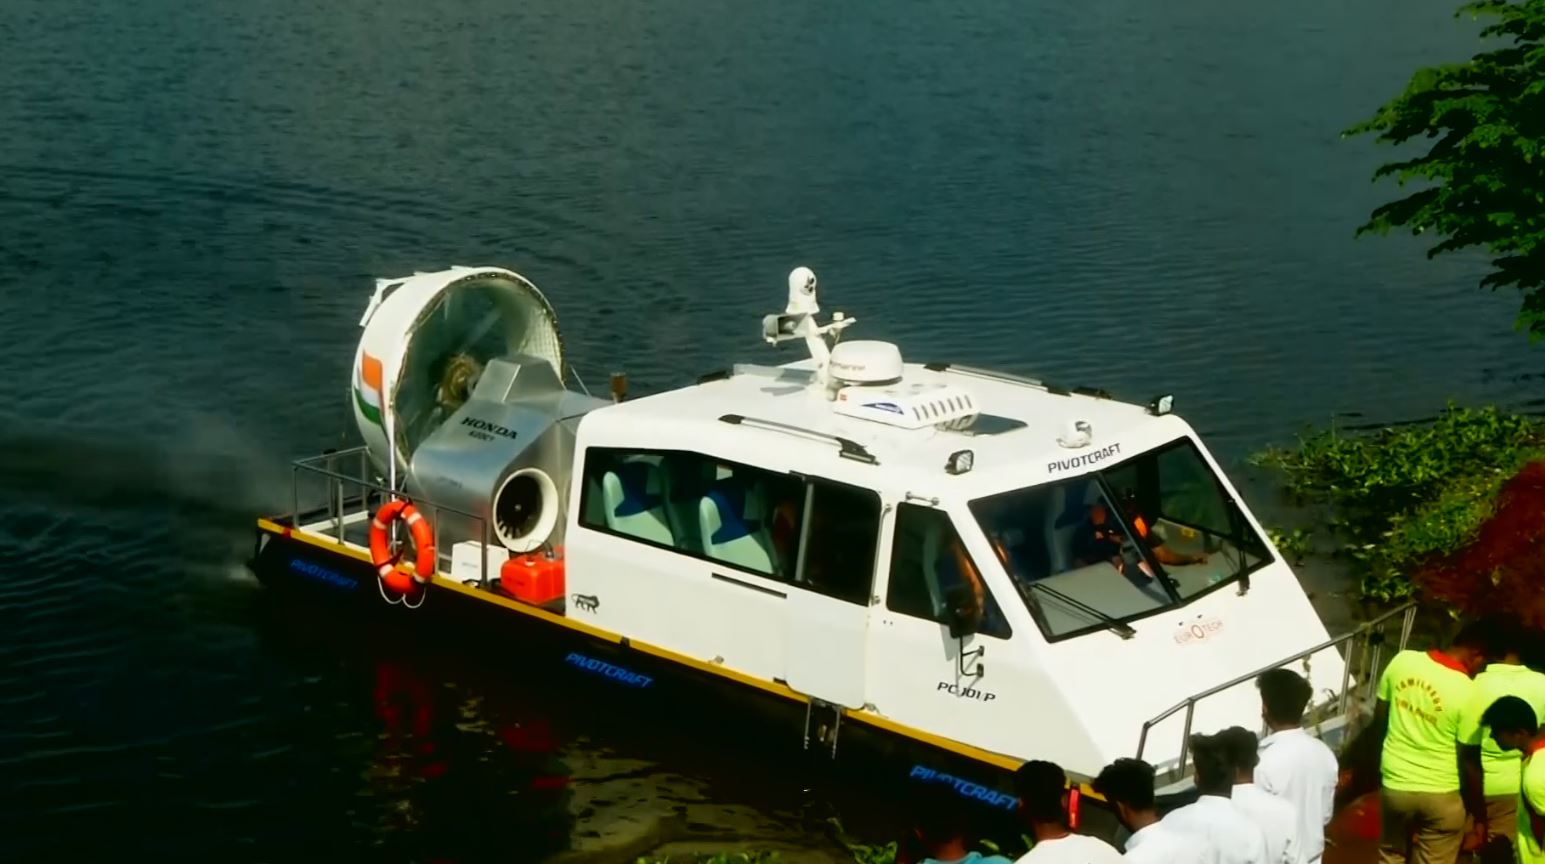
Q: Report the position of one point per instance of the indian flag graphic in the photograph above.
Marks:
(367, 389)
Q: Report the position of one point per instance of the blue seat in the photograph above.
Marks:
(734, 529)
(634, 498)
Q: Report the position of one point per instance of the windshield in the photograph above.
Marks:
(1074, 539)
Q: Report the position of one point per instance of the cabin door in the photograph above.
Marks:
(973, 687)
(827, 624)
(826, 643)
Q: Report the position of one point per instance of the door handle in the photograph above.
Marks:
(752, 585)
(978, 669)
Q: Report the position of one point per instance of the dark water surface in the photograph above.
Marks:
(195, 196)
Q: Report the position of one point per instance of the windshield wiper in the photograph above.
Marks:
(1122, 630)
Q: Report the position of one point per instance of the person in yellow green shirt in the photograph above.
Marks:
(1515, 729)
(1419, 699)
(1483, 763)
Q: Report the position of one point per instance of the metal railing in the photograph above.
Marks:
(361, 493)
(1364, 654)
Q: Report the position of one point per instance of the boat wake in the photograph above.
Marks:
(218, 480)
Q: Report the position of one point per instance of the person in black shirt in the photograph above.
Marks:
(1098, 539)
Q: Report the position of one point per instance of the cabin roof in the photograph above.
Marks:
(1019, 423)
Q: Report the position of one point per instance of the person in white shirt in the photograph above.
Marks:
(1128, 786)
(1043, 804)
(1294, 764)
(1276, 816)
(1214, 815)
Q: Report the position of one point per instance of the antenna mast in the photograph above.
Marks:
(798, 321)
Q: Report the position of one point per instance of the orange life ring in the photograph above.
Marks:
(423, 540)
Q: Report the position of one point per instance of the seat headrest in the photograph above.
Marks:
(739, 513)
(1076, 499)
(640, 483)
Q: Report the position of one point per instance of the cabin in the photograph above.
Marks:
(940, 576)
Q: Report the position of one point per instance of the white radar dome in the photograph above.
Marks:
(866, 362)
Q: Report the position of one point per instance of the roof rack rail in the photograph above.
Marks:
(847, 447)
(1008, 377)
(777, 373)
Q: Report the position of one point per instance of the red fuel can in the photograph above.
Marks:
(535, 577)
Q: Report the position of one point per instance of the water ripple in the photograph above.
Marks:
(197, 197)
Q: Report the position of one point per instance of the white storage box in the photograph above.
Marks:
(465, 562)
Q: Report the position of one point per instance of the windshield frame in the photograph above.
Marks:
(1177, 601)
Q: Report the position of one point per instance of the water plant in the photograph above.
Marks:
(863, 853)
(1293, 545)
(887, 853)
(1399, 497)
(752, 857)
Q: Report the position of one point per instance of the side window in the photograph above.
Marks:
(841, 533)
(705, 507)
(750, 518)
(928, 561)
(625, 493)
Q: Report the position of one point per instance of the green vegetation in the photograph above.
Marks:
(1401, 496)
(863, 853)
(1294, 544)
(718, 858)
(868, 853)
(1483, 175)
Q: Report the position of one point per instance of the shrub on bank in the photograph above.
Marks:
(1503, 566)
(1400, 499)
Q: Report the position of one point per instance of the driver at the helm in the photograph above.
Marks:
(1099, 538)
